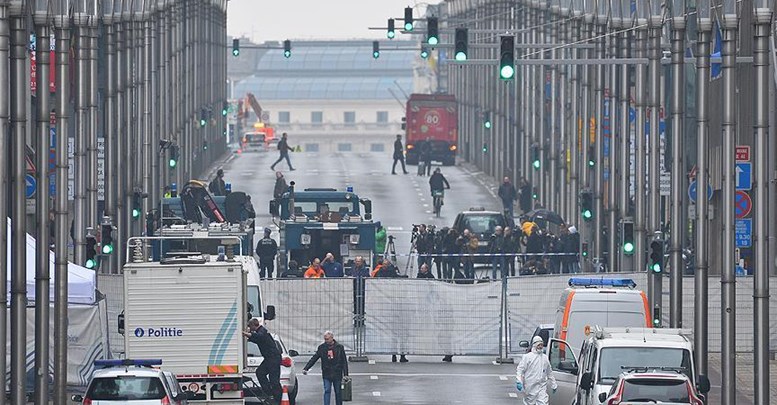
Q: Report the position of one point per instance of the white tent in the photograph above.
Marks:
(80, 280)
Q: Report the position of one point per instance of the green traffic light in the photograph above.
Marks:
(236, 52)
(657, 322)
(376, 54)
(487, 124)
(590, 163)
(224, 112)
(587, 214)
(461, 56)
(408, 26)
(202, 123)
(135, 213)
(628, 247)
(107, 249)
(287, 54)
(536, 164)
(485, 148)
(91, 263)
(172, 163)
(432, 41)
(655, 267)
(390, 34)
(424, 53)
(507, 72)
(534, 196)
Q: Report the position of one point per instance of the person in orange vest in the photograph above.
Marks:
(315, 270)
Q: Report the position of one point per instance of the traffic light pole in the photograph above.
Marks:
(553, 149)
(598, 184)
(576, 127)
(678, 175)
(624, 129)
(111, 138)
(654, 152)
(5, 148)
(565, 198)
(80, 155)
(640, 152)
(612, 158)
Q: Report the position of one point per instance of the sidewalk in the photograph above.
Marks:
(744, 378)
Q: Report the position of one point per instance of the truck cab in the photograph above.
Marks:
(431, 125)
(317, 221)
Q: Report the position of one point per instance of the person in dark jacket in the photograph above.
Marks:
(511, 246)
(451, 263)
(426, 155)
(387, 269)
(284, 149)
(271, 363)
(526, 201)
(334, 366)
(332, 268)
(496, 246)
(292, 270)
(508, 195)
(438, 181)
(217, 185)
(399, 155)
(570, 243)
(424, 272)
(266, 249)
(280, 186)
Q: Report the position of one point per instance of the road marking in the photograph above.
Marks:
(513, 395)
(394, 228)
(426, 205)
(503, 377)
(373, 377)
(375, 393)
(371, 362)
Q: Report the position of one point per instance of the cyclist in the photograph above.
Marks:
(438, 183)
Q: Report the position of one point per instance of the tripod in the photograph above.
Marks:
(409, 263)
(390, 252)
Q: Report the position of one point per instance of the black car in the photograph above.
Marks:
(482, 223)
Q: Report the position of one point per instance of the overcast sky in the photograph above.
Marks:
(275, 20)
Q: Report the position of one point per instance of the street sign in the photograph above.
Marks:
(31, 186)
(744, 175)
(692, 191)
(742, 204)
(742, 153)
(744, 233)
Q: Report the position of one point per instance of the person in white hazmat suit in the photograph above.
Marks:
(533, 373)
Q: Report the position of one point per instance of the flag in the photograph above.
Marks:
(716, 68)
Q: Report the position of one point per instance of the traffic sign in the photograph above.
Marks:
(31, 186)
(744, 232)
(744, 175)
(742, 204)
(692, 191)
(742, 153)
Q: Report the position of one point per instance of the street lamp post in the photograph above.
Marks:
(623, 22)
(640, 231)
(655, 24)
(600, 24)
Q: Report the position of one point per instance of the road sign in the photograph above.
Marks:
(31, 185)
(692, 191)
(742, 153)
(744, 175)
(744, 233)
(742, 204)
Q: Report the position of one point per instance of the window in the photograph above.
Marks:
(343, 147)
(126, 388)
(311, 147)
(615, 360)
(382, 117)
(377, 147)
(349, 117)
(284, 117)
(316, 117)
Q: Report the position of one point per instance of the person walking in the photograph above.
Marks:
(334, 366)
(284, 149)
(266, 249)
(533, 373)
(269, 371)
(426, 156)
(508, 195)
(399, 155)
(280, 186)
(217, 186)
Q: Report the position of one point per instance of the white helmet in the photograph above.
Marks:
(536, 340)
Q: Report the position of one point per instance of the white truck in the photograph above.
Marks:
(189, 311)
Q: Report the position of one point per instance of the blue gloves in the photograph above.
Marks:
(554, 389)
(519, 386)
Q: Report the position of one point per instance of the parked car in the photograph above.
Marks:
(128, 381)
(288, 371)
(545, 331)
(651, 387)
(481, 223)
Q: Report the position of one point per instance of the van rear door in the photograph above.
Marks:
(563, 364)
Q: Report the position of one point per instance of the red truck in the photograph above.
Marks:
(431, 125)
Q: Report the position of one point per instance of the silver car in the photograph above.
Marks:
(288, 371)
(135, 382)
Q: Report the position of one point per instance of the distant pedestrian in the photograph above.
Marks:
(334, 366)
(284, 149)
(266, 250)
(280, 186)
(526, 199)
(426, 156)
(424, 272)
(315, 270)
(332, 268)
(292, 270)
(217, 185)
(508, 195)
(399, 155)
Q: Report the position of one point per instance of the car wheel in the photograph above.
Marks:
(293, 394)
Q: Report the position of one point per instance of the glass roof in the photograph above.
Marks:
(324, 88)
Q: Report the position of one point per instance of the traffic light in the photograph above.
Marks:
(106, 238)
(657, 317)
(461, 43)
(203, 117)
(174, 155)
(204, 145)
(375, 49)
(485, 148)
(91, 251)
(627, 235)
(235, 47)
(591, 156)
(535, 157)
(586, 205)
(408, 19)
(585, 249)
(656, 256)
(432, 31)
(287, 49)
(424, 52)
(224, 109)
(136, 207)
(487, 120)
(507, 57)
(390, 34)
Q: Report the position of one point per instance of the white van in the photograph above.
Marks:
(609, 352)
(599, 301)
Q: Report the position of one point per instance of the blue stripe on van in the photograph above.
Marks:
(219, 347)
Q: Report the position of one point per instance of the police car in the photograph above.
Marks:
(128, 381)
(288, 371)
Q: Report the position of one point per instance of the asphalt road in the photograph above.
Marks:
(398, 201)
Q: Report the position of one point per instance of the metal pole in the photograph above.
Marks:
(19, 83)
(552, 189)
(654, 149)
(62, 225)
(678, 174)
(148, 153)
(80, 153)
(762, 19)
(91, 148)
(624, 129)
(561, 161)
(111, 136)
(42, 237)
(129, 124)
(5, 114)
(122, 208)
(612, 158)
(641, 150)
(152, 32)
(541, 134)
(727, 271)
(577, 126)
(598, 237)
(701, 293)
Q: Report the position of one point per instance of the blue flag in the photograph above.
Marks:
(716, 69)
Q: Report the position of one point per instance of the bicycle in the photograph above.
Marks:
(438, 196)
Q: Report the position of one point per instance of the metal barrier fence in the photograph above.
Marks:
(112, 287)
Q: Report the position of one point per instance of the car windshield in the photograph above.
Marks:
(254, 302)
(629, 314)
(482, 224)
(655, 390)
(615, 360)
(126, 388)
(254, 138)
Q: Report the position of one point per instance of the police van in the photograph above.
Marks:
(189, 310)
